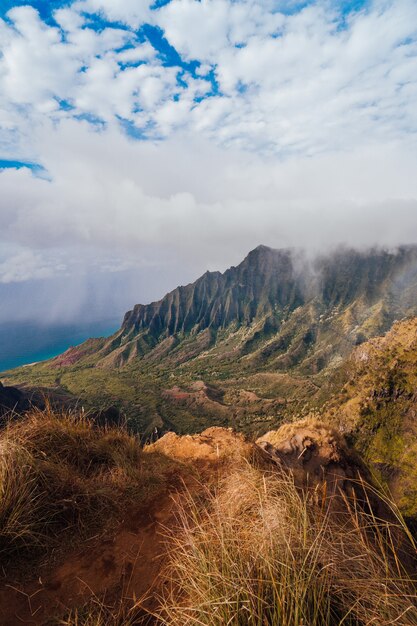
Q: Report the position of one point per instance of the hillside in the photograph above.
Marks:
(377, 407)
(249, 347)
(207, 529)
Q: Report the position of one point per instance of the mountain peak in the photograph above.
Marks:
(269, 290)
(263, 251)
(260, 249)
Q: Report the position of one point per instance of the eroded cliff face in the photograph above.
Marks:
(264, 281)
(265, 285)
(277, 306)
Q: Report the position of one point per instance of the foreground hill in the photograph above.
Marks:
(249, 347)
(377, 406)
(12, 400)
(209, 529)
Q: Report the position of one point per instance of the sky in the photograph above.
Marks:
(142, 143)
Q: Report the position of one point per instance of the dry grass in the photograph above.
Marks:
(60, 475)
(99, 613)
(255, 551)
(261, 554)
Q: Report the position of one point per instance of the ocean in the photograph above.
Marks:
(26, 342)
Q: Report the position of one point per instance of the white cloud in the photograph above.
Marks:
(111, 196)
(35, 66)
(306, 136)
(69, 20)
(202, 30)
(132, 12)
(24, 265)
(311, 81)
(142, 52)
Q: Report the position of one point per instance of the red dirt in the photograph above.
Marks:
(128, 561)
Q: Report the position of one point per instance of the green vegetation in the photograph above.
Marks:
(377, 407)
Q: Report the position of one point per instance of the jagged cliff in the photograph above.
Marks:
(287, 307)
(248, 347)
(266, 280)
(265, 284)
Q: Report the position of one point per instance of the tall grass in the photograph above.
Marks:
(60, 475)
(20, 497)
(254, 551)
(260, 553)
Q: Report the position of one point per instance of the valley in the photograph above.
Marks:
(265, 342)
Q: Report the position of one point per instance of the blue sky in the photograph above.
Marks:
(195, 54)
(189, 131)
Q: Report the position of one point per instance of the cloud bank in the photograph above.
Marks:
(180, 134)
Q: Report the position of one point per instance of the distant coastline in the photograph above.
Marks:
(27, 343)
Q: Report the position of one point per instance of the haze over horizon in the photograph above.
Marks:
(142, 143)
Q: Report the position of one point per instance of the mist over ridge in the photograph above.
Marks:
(156, 139)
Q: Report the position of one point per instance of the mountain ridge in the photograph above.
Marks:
(266, 335)
(269, 284)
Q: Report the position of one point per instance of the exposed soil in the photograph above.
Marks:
(129, 561)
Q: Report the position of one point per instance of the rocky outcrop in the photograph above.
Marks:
(316, 454)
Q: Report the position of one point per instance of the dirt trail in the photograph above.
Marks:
(128, 561)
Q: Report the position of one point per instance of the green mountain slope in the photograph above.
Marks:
(377, 407)
(247, 347)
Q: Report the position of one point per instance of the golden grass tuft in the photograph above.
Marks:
(260, 553)
(60, 475)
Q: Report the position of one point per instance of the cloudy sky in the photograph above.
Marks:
(144, 142)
